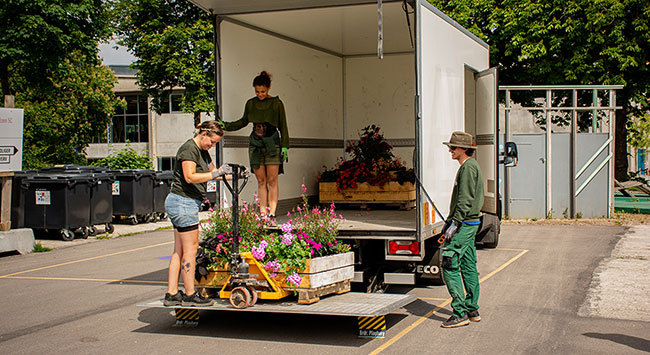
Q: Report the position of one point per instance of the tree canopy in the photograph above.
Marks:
(48, 60)
(37, 35)
(567, 42)
(172, 40)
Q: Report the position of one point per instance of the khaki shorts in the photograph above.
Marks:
(265, 158)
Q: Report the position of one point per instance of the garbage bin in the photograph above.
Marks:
(57, 202)
(132, 193)
(101, 197)
(18, 198)
(161, 187)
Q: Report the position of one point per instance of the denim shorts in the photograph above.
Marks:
(182, 211)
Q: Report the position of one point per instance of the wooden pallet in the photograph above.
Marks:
(313, 295)
(392, 193)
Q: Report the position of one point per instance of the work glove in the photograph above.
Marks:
(444, 228)
(223, 170)
(285, 154)
(449, 232)
(245, 172)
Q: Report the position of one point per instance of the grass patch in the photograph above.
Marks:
(104, 236)
(38, 248)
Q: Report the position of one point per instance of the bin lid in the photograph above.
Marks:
(74, 168)
(132, 172)
(164, 175)
(42, 178)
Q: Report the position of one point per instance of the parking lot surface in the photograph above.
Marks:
(536, 297)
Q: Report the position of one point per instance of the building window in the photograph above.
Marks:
(172, 104)
(131, 124)
(166, 163)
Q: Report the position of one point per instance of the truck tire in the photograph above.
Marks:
(488, 235)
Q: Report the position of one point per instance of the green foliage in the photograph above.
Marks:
(567, 42)
(639, 132)
(60, 121)
(38, 35)
(172, 40)
(38, 248)
(126, 158)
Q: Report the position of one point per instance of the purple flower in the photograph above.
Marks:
(295, 279)
(286, 228)
(287, 239)
(260, 252)
(272, 266)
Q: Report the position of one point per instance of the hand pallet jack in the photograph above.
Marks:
(248, 280)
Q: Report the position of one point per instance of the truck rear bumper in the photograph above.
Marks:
(399, 278)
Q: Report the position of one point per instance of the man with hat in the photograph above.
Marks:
(459, 250)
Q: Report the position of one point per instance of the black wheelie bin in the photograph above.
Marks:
(101, 197)
(133, 194)
(18, 198)
(57, 202)
(162, 184)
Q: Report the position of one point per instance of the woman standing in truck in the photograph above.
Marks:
(268, 142)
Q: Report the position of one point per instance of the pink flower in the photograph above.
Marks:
(295, 279)
(304, 189)
(287, 239)
(286, 228)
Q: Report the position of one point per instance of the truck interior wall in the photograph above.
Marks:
(444, 52)
(308, 82)
(381, 92)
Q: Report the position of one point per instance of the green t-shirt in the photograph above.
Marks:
(269, 110)
(467, 196)
(191, 152)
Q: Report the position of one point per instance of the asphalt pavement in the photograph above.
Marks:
(545, 289)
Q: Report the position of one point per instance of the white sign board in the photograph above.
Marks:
(11, 139)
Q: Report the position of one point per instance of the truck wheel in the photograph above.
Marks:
(67, 235)
(240, 297)
(493, 244)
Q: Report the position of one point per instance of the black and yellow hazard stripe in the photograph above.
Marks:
(187, 317)
(372, 327)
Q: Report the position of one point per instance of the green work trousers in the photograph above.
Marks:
(459, 269)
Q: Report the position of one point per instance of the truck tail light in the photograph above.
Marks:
(403, 247)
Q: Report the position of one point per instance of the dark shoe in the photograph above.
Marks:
(454, 322)
(474, 316)
(173, 300)
(196, 300)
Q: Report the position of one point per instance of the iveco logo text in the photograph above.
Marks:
(427, 269)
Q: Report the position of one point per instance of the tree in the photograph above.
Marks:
(36, 36)
(172, 40)
(568, 42)
(62, 120)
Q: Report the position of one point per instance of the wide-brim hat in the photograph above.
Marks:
(461, 139)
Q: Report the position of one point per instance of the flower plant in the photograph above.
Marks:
(372, 162)
(310, 232)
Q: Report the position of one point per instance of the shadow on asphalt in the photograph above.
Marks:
(155, 276)
(632, 342)
(273, 327)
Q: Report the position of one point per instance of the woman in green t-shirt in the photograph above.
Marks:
(268, 143)
(192, 170)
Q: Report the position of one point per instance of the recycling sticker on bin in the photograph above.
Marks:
(116, 188)
(212, 186)
(43, 197)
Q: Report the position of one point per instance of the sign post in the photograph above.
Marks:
(11, 158)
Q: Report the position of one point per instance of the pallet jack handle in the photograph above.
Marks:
(238, 268)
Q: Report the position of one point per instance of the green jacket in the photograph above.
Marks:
(269, 110)
(467, 196)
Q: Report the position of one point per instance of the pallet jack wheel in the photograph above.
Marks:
(253, 293)
(240, 297)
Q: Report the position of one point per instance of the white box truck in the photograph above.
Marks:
(339, 66)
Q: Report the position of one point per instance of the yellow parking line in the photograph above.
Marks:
(84, 279)
(446, 302)
(432, 298)
(509, 249)
(86, 259)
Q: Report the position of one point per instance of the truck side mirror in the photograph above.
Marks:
(510, 155)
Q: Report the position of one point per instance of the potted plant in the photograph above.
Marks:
(302, 255)
(372, 174)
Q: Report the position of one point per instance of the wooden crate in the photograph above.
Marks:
(390, 193)
(321, 276)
